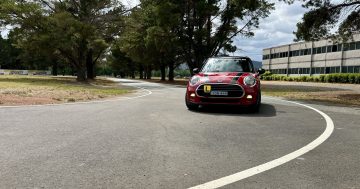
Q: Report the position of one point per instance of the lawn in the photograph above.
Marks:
(29, 90)
(313, 94)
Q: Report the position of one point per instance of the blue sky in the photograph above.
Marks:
(275, 30)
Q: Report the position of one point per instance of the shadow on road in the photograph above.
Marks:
(266, 110)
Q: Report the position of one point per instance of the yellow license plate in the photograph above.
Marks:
(207, 88)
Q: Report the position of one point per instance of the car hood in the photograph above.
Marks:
(223, 77)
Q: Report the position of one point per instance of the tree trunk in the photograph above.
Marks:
(55, 68)
(141, 72)
(148, 74)
(163, 72)
(80, 73)
(171, 71)
(90, 67)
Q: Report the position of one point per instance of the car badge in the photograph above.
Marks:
(207, 88)
(220, 80)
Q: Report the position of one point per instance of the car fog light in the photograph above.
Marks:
(192, 94)
(249, 97)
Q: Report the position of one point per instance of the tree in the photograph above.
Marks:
(325, 15)
(10, 55)
(133, 41)
(121, 64)
(162, 36)
(209, 26)
(78, 30)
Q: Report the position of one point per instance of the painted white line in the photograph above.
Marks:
(148, 92)
(277, 162)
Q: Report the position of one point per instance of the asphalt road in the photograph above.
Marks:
(152, 141)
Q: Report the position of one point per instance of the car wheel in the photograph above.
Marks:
(190, 105)
(256, 107)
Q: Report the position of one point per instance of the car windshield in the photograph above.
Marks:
(227, 65)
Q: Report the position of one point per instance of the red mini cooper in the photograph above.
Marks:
(225, 81)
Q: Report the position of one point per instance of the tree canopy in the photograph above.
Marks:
(324, 16)
(78, 30)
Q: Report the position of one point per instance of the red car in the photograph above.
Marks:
(225, 81)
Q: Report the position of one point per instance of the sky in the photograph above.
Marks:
(275, 30)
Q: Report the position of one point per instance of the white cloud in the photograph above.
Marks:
(275, 30)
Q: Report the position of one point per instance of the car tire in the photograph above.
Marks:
(256, 107)
(190, 106)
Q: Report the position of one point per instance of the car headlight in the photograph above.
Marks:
(250, 81)
(194, 80)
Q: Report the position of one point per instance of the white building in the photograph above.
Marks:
(316, 57)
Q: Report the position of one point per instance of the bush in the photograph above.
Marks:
(351, 78)
(310, 79)
(329, 78)
(322, 78)
(316, 79)
(357, 79)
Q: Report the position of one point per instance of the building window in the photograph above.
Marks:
(352, 46)
(340, 47)
(296, 53)
(350, 69)
(318, 50)
(357, 69)
(334, 48)
(358, 45)
(344, 69)
(265, 57)
(329, 49)
(314, 51)
(323, 49)
(332, 70)
(346, 46)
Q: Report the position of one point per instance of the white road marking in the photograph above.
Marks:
(277, 162)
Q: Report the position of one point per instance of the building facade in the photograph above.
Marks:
(313, 58)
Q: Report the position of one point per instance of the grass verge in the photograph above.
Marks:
(30, 90)
(312, 94)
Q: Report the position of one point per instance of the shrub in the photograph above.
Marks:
(342, 78)
(310, 79)
(322, 78)
(351, 78)
(267, 73)
(357, 79)
(329, 78)
(303, 78)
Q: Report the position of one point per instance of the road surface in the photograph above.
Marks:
(150, 140)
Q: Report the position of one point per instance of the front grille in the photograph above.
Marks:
(220, 100)
(233, 91)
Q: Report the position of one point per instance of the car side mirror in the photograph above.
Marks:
(261, 71)
(196, 70)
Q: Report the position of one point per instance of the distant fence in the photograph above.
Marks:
(24, 72)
